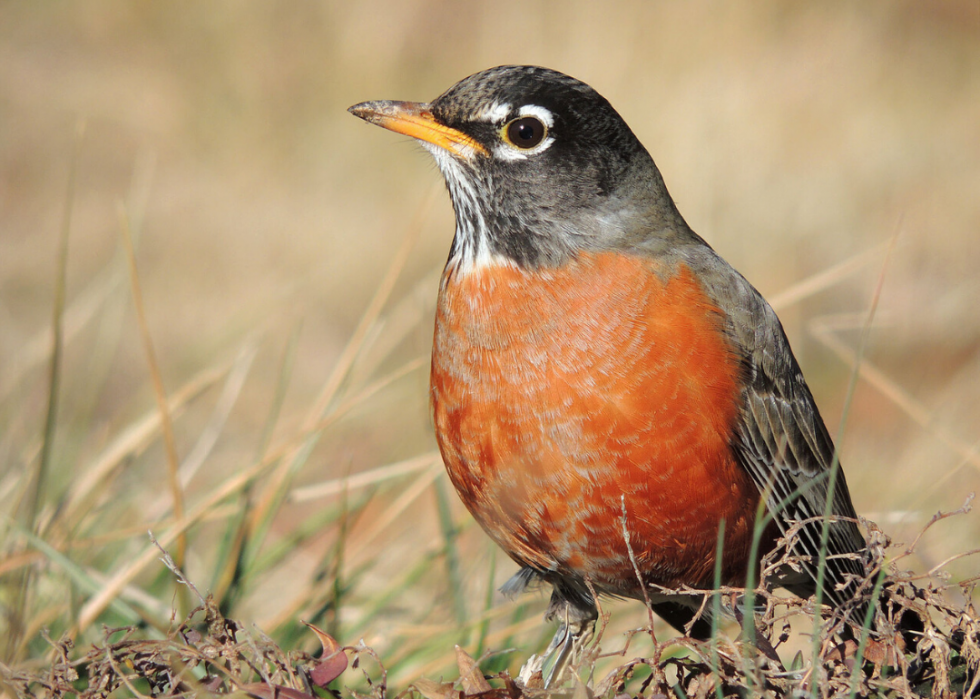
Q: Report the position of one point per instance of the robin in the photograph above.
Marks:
(610, 397)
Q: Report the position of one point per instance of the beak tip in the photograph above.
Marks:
(360, 109)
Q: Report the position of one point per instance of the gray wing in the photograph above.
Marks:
(782, 441)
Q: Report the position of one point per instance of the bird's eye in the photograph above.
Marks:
(525, 132)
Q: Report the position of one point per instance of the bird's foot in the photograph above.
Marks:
(566, 646)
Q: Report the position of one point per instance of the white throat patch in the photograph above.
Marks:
(471, 248)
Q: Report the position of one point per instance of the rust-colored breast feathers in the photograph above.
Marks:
(561, 396)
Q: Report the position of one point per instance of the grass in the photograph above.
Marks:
(287, 269)
(91, 549)
(77, 570)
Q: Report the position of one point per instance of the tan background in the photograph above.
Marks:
(794, 138)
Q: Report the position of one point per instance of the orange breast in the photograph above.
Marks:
(562, 396)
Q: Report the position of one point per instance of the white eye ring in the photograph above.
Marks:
(531, 116)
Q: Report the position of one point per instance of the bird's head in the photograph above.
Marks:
(538, 164)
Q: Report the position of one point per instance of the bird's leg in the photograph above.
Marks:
(571, 638)
(575, 629)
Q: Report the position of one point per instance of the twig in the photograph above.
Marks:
(938, 517)
(639, 576)
(169, 562)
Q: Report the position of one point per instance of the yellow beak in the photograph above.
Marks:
(414, 119)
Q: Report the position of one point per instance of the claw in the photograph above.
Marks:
(566, 645)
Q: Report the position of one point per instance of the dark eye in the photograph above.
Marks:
(526, 132)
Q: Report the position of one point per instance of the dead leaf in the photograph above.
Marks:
(470, 675)
(332, 661)
(847, 649)
(430, 689)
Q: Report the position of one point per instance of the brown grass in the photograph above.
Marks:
(208, 653)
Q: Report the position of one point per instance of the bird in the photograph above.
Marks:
(611, 399)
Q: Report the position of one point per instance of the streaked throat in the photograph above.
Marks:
(472, 247)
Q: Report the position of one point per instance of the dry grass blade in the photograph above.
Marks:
(823, 329)
(407, 315)
(318, 416)
(359, 549)
(134, 439)
(835, 462)
(86, 304)
(234, 382)
(374, 308)
(166, 559)
(373, 476)
(36, 491)
(234, 484)
(827, 278)
(76, 316)
(226, 401)
(166, 423)
(290, 448)
(637, 573)
(450, 552)
(133, 567)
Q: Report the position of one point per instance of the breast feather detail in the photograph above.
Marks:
(603, 381)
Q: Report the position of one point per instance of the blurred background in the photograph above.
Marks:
(798, 139)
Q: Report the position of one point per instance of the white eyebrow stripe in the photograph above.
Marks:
(494, 113)
(546, 117)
